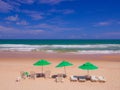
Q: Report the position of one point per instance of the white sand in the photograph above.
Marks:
(11, 63)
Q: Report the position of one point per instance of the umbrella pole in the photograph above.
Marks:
(88, 72)
(65, 69)
(42, 68)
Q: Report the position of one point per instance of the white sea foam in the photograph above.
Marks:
(98, 52)
(79, 49)
(61, 46)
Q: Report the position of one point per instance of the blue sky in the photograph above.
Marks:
(59, 19)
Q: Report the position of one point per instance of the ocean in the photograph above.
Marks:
(68, 46)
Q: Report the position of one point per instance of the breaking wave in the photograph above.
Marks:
(80, 49)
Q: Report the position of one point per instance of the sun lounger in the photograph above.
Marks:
(73, 78)
(101, 79)
(54, 76)
(94, 78)
(18, 79)
(27, 75)
(81, 78)
(59, 78)
(47, 74)
(22, 75)
(64, 75)
(88, 77)
(39, 75)
(32, 75)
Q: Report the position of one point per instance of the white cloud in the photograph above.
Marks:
(64, 11)
(16, 19)
(55, 28)
(12, 18)
(5, 7)
(50, 1)
(23, 22)
(53, 2)
(34, 14)
(105, 23)
(15, 31)
(6, 29)
(26, 1)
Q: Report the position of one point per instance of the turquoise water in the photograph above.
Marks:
(72, 46)
(58, 42)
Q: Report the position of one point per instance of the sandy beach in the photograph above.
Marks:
(12, 63)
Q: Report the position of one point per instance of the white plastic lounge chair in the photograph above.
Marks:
(101, 79)
(73, 78)
(82, 78)
(47, 74)
(59, 78)
(32, 75)
(22, 75)
(94, 78)
(18, 79)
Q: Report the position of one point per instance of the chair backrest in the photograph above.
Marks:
(32, 74)
(47, 74)
(60, 75)
(93, 77)
(101, 78)
(59, 78)
(22, 74)
(73, 77)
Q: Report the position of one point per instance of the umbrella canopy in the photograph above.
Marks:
(88, 66)
(42, 63)
(64, 64)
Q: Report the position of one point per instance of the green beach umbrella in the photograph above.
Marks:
(64, 64)
(42, 63)
(88, 66)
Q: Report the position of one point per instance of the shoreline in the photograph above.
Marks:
(42, 55)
